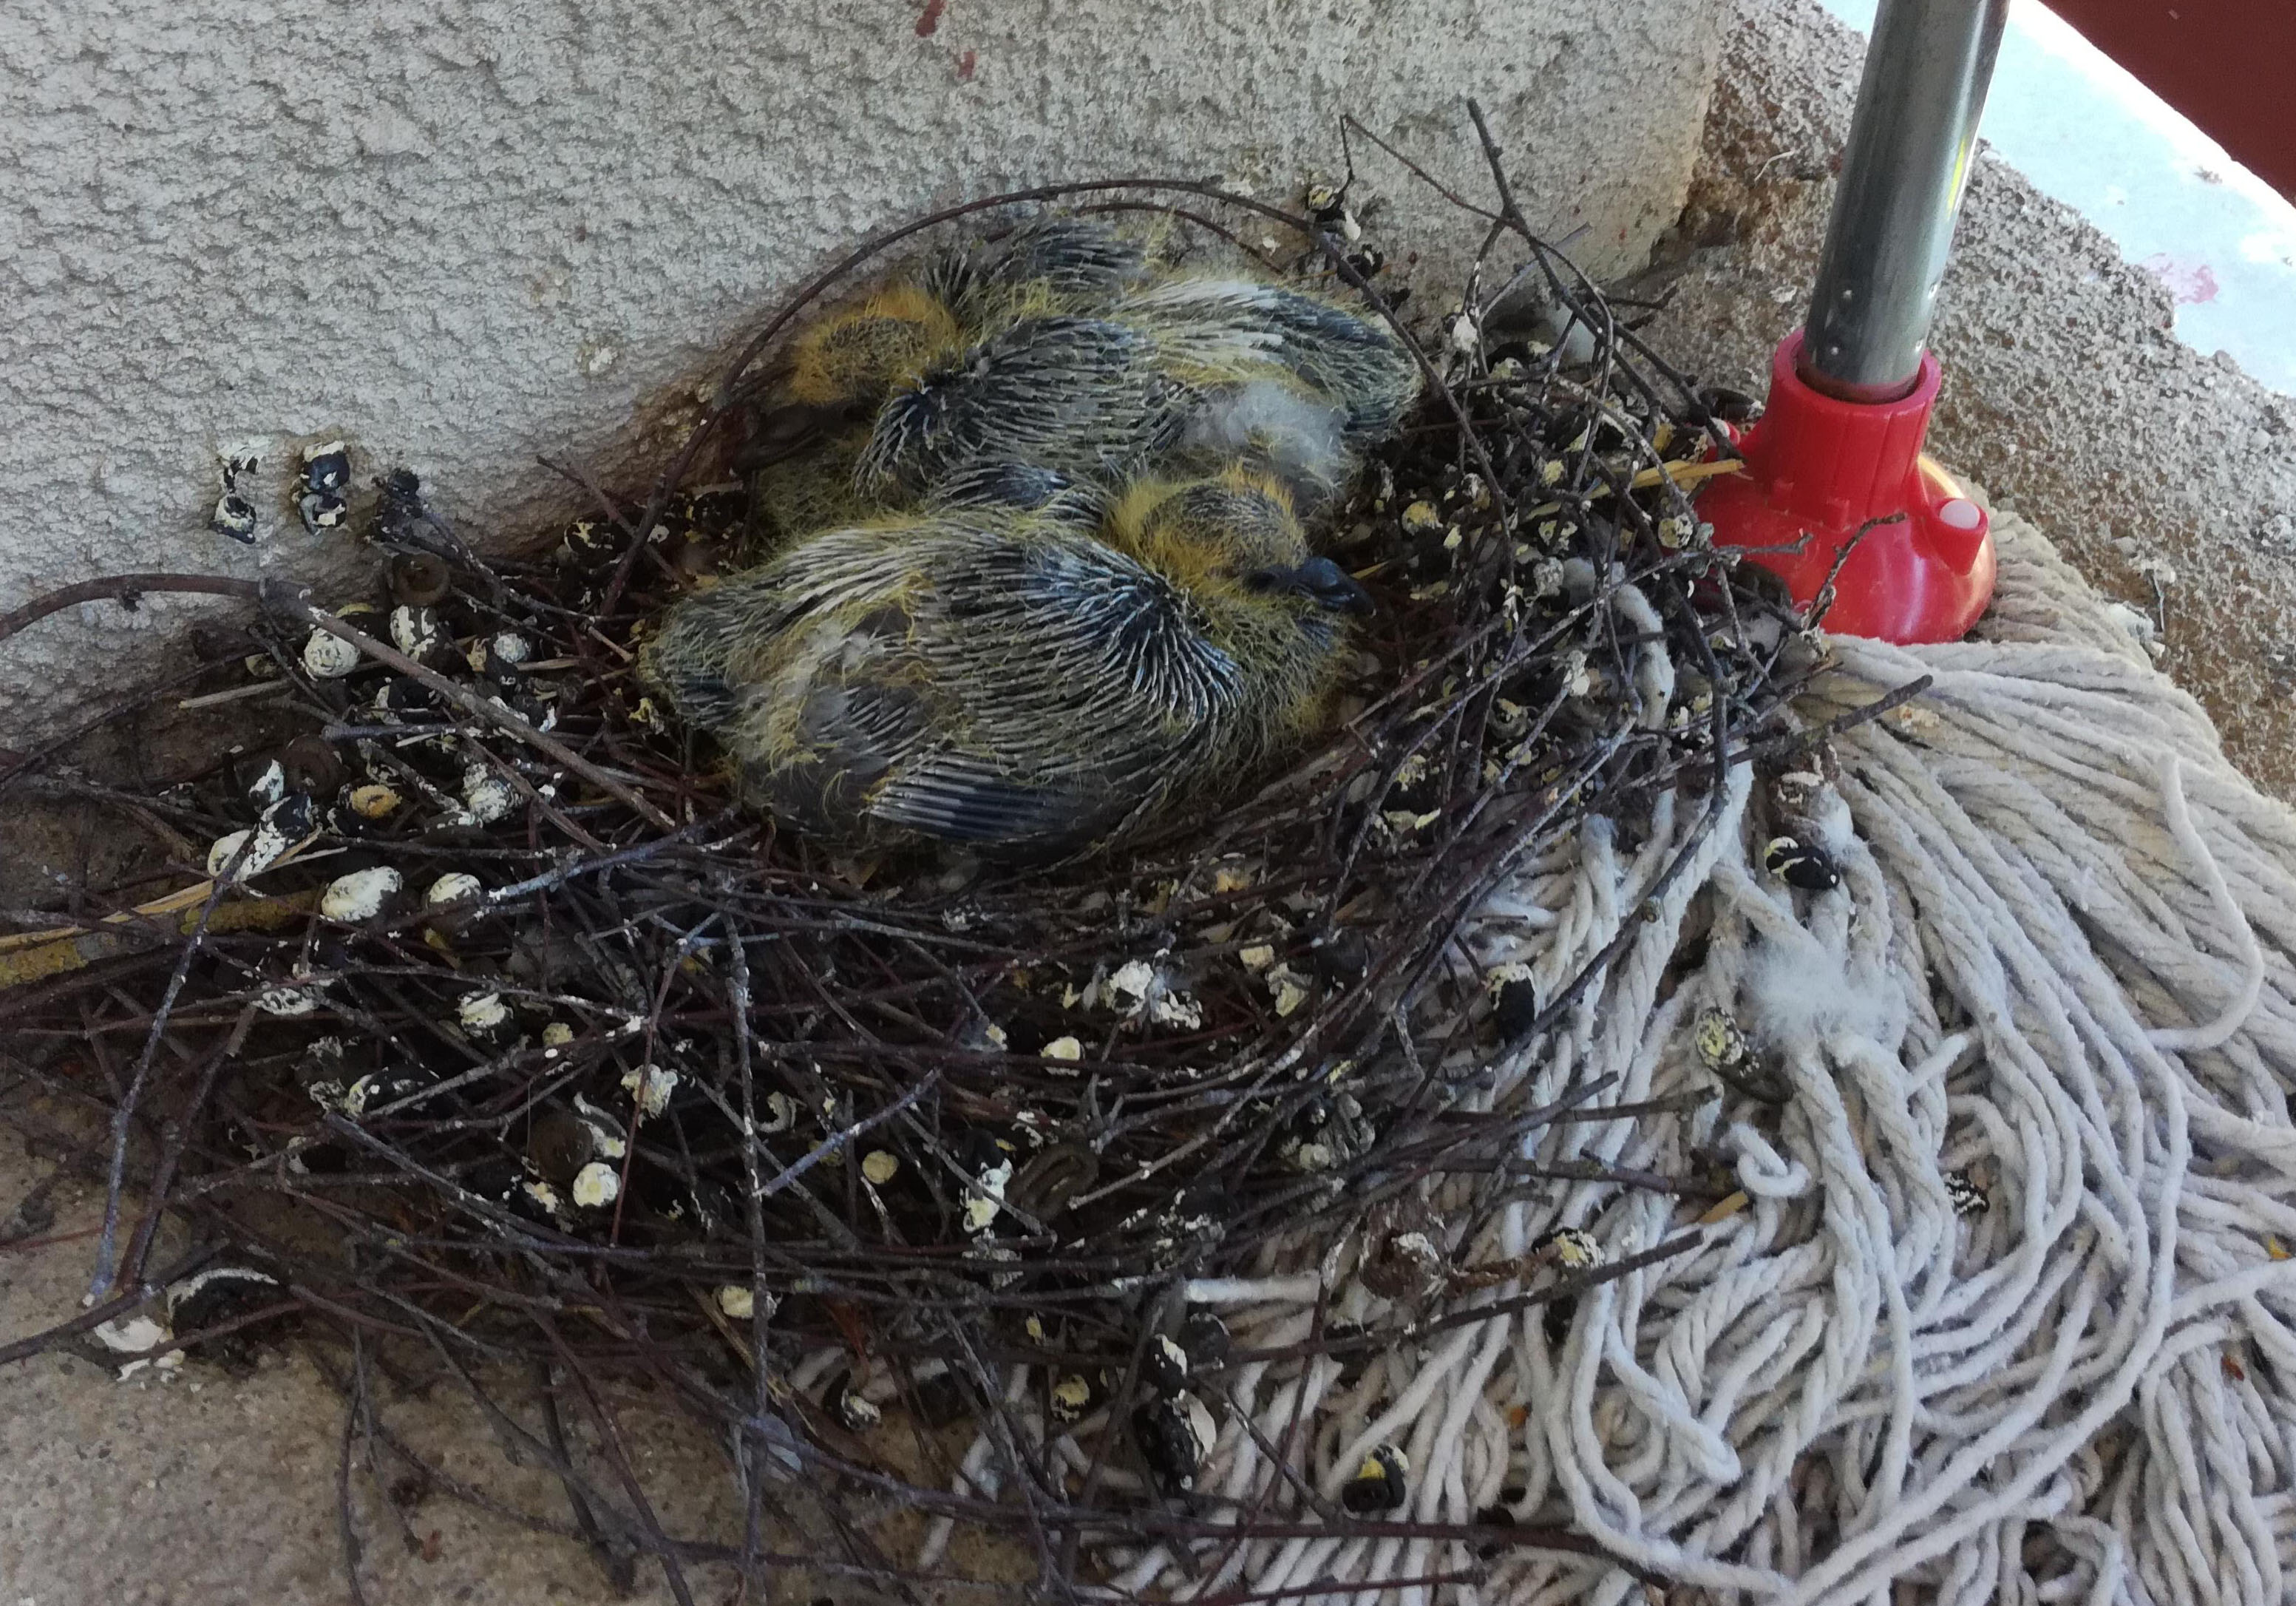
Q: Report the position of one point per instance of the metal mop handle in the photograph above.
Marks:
(1902, 176)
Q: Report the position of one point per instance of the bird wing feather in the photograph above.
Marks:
(1217, 323)
(1024, 487)
(1071, 258)
(954, 677)
(1084, 682)
(1078, 395)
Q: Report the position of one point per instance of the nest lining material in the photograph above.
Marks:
(483, 978)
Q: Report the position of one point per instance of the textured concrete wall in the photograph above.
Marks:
(461, 232)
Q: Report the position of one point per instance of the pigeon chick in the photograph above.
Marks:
(806, 449)
(1174, 377)
(1009, 682)
(1061, 350)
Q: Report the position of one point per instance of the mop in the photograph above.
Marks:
(2000, 1304)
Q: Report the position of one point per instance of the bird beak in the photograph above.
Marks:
(1320, 580)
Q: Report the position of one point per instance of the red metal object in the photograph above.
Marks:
(1826, 467)
(2226, 64)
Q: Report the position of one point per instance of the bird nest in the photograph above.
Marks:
(491, 1046)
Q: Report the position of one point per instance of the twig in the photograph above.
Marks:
(293, 603)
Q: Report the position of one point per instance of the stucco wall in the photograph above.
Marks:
(461, 232)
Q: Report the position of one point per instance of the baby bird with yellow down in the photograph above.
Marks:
(1006, 681)
(807, 446)
(1063, 351)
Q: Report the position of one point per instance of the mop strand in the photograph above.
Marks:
(2002, 1305)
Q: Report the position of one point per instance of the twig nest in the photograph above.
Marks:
(1381, 1483)
(360, 895)
(327, 656)
(1199, 963)
(596, 1185)
(1176, 1434)
(486, 796)
(454, 886)
(416, 632)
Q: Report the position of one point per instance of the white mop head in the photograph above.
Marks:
(2054, 980)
